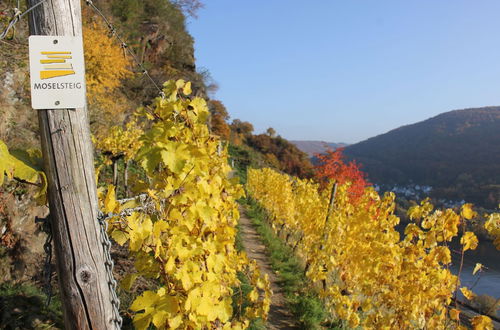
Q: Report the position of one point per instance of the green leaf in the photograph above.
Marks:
(41, 195)
(150, 158)
(31, 157)
(128, 280)
(142, 320)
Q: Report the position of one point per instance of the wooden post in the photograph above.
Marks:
(125, 178)
(69, 166)
(115, 171)
(330, 204)
(327, 225)
(328, 215)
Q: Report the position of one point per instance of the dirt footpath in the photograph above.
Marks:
(279, 316)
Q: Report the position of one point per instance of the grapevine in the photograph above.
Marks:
(120, 142)
(493, 228)
(182, 233)
(366, 273)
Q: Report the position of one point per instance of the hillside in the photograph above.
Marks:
(457, 153)
(316, 147)
(154, 29)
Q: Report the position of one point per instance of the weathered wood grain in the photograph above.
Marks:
(69, 165)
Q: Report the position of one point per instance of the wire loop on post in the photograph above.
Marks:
(18, 14)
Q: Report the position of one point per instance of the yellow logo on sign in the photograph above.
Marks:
(57, 66)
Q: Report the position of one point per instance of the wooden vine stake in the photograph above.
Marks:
(69, 166)
(328, 215)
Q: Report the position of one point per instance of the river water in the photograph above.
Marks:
(485, 282)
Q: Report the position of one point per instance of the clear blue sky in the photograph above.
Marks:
(344, 71)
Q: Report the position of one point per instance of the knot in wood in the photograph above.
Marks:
(85, 276)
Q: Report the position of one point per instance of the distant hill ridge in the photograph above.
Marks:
(457, 153)
(316, 147)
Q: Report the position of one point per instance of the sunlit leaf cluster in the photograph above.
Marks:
(492, 225)
(106, 63)
(368, 273)
(182, 232)
(119, 141)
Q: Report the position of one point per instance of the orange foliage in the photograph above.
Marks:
(220, 127)
(331, 166)
(218, 119)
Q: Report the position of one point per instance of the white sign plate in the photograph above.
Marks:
(57, 71)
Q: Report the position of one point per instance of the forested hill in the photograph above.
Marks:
(317, 147)
(457, 153)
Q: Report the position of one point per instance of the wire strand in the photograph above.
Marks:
(125, 46)
(18, 14)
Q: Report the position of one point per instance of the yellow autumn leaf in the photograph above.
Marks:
(454, 314)
(482, 322)
(223, 311)
(140, 233)
(21, 165)
(179, 83)
(206, 308)
(353, 320)
(442, 254)
(175, 322)
(160, 318)
(262, 283)
(186, 90)
(170, 265)
(467, 293)
(145, 300)
(23, 171)
(469, 241)
(169, 304)
(477, 268)
(253, 295)
(119, 236)
(143, 320)
(492, 225)
(5, 165)
(110, 203)
(467, 211)
(159, 227)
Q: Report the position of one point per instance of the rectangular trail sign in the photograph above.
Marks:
(57, 71)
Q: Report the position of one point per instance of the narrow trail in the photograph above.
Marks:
(279, 316)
